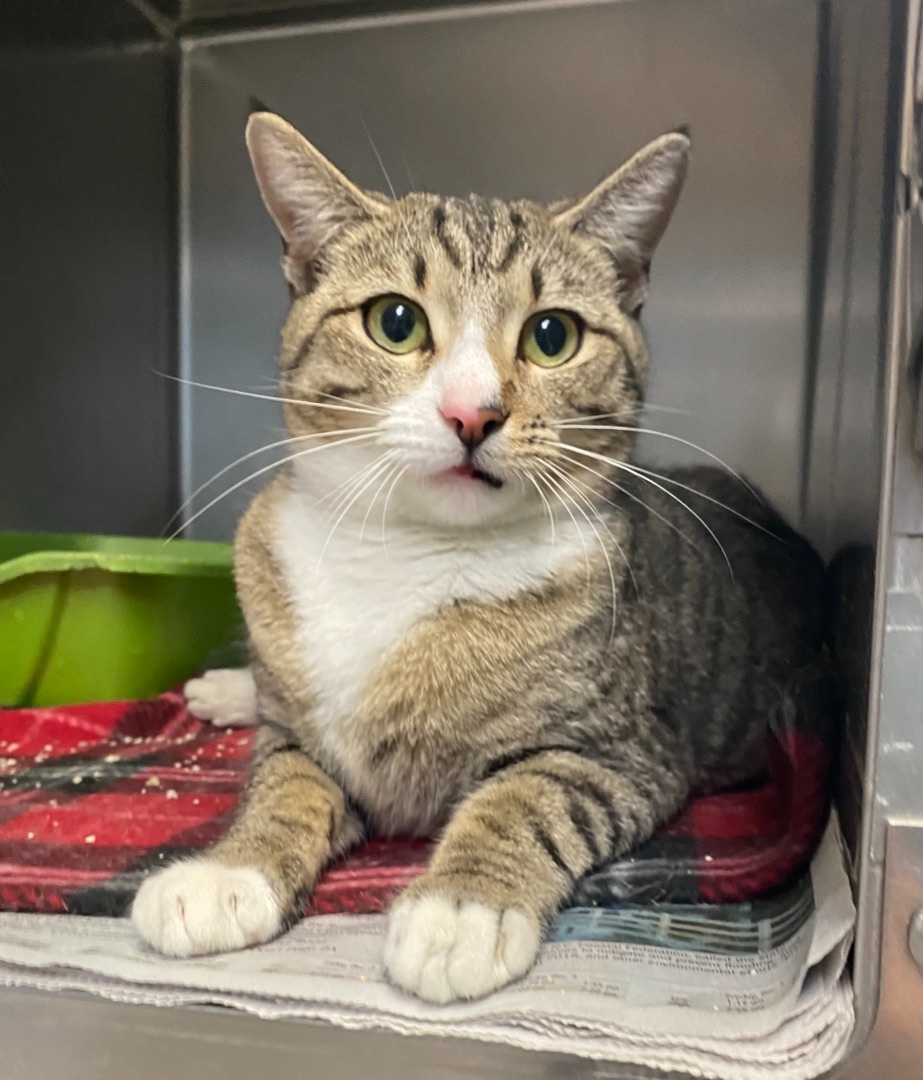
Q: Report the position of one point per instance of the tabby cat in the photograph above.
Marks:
(471, 613)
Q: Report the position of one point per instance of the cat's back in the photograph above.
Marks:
(730, 600)
(702, 529)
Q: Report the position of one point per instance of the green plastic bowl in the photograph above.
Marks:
(99, 618)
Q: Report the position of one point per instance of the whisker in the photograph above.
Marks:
(378, 157)
(384, 510)
(663, 435)
(359, 410)
(631, 410)
(631, 495)
(410, 179)
(566, 421)
(672, 409)
(359, 406)
(352, 501)
(336, 492)
(388, 473)
(345, 490)
(708, 498)
(384, 171)
(687, 507)
(591, 506)
(630, 469)
(559, 492)
(602, 547)
(271, 397)
(544, 498)
(252, 454)
(261, 472)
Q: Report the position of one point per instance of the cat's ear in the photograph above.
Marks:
(629, 211)
(308, 197)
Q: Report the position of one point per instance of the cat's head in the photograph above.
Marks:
(456, 343)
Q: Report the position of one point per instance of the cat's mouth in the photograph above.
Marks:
(472, 473)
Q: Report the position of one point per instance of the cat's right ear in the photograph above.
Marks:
(628, 212)
(309, 199)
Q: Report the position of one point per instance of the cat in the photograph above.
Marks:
(470, 611)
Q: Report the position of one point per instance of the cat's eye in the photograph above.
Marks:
(550, 338)
(396, 324)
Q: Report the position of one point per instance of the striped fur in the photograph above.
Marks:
(544, 667)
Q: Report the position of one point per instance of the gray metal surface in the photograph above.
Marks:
(71, 1038)
(86, 1039)
(847, 326)
(537, 100)
(86, 222)
(196, 11)
(855, 366)
(44, 24)
(895, 1048)
(915, 939)
(893, 761)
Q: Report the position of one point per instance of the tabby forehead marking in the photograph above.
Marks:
(419, 271)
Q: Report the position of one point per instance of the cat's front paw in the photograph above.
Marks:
(226, 697)
(444, 950)
(201, 906)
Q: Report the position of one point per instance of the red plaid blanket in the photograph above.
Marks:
(94, 797)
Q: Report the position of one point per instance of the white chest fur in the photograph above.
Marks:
(357, 597)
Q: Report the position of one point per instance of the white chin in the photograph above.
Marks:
(460, 500)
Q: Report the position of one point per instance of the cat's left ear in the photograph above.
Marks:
(309, 199)
(629, 211)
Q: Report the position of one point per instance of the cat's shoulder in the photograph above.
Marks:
(257, 526)
(260, 585)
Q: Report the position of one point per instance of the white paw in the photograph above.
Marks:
(443, 951)
(200, 906)
(226, 697)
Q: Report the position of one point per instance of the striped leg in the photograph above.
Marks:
(509, 859)
(246, 888)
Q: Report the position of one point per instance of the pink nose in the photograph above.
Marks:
(472, 425)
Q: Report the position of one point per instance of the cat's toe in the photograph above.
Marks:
(442, 950)
(226, 697)
(200, 907)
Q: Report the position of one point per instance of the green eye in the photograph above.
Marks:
(550, 338)
(396, 324)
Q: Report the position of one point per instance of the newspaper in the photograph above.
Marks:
(784, 1011)
(726, 929)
